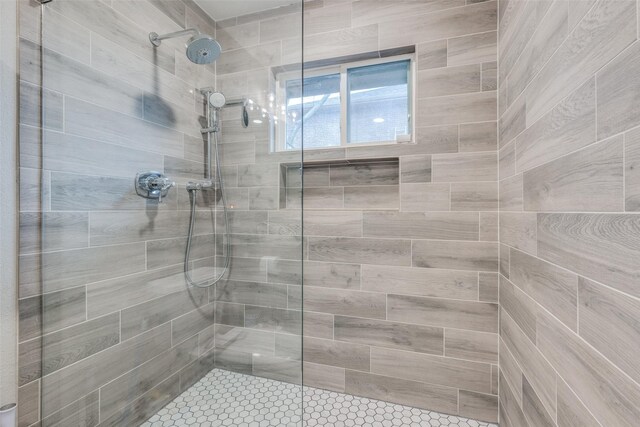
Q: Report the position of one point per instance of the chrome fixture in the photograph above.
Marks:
(153, 185)
(214, 101)
(201, 48)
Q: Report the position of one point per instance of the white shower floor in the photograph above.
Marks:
(224, 398)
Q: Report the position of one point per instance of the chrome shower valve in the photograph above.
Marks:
(153, 185)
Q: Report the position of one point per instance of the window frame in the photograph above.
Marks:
(343, 71)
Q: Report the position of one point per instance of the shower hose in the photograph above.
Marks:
(192, 222)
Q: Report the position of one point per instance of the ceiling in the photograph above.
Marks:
(223, 9)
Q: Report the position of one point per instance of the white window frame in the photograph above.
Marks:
(342, 69)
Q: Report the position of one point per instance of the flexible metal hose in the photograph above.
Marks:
(192, 222)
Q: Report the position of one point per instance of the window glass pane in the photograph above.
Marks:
(378, 104)
(320, 99)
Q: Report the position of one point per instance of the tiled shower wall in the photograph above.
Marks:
(569, 201)
(108, 333)
(401, 268)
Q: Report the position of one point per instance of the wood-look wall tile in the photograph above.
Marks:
(427, 225)
(328, 18)
(323, 376)
(250, 58)
(262, 294)
(567, 127)
(431, 54)
(116, 294)
(148, 315)
(366, 250)
(475, 256)
(429, 282)
(474, 196)
(510, 371)
(273, 319)
(520, 306)
(472, 49)
(438, 25)
(332, 275)
(512, 193)
(431, 369)
(478, 137)
(513, 121)
(465, 167)
(316, 198)
(560, 185)
(478, 406)
(67, 385)
(510, 408)
(533, 408)
(594, 379)
(470, 315)
(28, 411)
(116, 394)
(42, 356)
(402, 391)
(192, 323)
(348, 41)
(534, 364)
(488, 287)
(373, 173)
(256, 245)
(235, 339)
(448, 81)
(471, 345)
(519, 230)
(504, 260)
(571, 411)
(608, 322)
(84, 411)
(50, 312)
(552, 287)
(425, 197)
(489, 226)
(631, 168)
(467, 108)
(53, 231)
(618, 100)
(277, 368)
(550, 33)
(230, 314)
(489, 76)
(603, 247)
(91, 121)
(318, 325)
(507, 161)
(437, 139)
(345, 302)
(415, 169)
(607, 29)
(379, 333)
(372, 197)
(335, 353)
(374, 12)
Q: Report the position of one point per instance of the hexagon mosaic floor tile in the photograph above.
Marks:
(224, 398)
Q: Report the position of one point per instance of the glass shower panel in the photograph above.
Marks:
(139, 153)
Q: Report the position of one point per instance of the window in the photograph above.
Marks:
(354, 104)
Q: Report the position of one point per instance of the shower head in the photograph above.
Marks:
(201, 48)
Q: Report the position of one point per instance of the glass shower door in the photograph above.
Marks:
(113, 333)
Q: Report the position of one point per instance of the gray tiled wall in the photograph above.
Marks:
(401, 257)
(569, 229)
(108, 331)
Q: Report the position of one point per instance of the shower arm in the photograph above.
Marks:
(156, 39)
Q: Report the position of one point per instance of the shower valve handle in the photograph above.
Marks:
(153, 185)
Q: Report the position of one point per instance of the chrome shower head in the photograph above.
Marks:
(201, 48)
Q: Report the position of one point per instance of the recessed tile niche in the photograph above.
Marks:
(342, 184)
